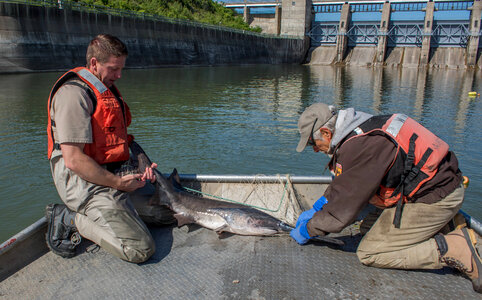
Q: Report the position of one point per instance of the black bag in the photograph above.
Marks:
(62, 236)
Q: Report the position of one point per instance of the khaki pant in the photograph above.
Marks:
(411, 246)
(105, 216)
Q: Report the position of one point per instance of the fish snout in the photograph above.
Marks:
(284, 227)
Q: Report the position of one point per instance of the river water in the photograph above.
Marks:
(234, 120)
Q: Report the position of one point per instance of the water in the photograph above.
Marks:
(234, 120)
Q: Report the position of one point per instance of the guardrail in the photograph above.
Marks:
(92, 8)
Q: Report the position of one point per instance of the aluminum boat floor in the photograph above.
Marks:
(197, 264)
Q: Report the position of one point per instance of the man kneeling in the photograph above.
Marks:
(403, 169)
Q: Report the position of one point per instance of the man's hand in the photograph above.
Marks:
(88, 169)
(300, 233)
(149, 174)
(131, 182)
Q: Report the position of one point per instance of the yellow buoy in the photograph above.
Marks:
(473, 94)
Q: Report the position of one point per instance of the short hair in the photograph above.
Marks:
(103, 47)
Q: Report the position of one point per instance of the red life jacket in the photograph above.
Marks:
(419, 153)
(109, 121)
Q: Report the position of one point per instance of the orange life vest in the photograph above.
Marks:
(419, 153)
(109, 121)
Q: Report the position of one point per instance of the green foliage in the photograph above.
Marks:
(205, 11)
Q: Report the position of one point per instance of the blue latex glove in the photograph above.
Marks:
(305, 216)
(300, 233)
(308, 214)
(318, 205)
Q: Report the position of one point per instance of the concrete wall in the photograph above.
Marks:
(322, 56)
(361, 56)
(267, 22)
(296, 17)
(442, 57)
(37, 38)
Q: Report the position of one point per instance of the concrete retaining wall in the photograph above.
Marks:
(36, 38)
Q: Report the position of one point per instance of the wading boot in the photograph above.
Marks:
(457, 250)
(62, 236)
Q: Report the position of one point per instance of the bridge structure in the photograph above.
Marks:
(381, 24)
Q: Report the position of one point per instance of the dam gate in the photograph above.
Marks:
(382, 25)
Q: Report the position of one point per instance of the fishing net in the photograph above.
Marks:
(277, 199)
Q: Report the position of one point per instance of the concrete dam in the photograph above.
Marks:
(433, 33)
(54, 36)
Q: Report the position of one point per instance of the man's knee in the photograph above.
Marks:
(141, 251)
(365, 257)
(135, 251)
(137, 255)
(384, 260)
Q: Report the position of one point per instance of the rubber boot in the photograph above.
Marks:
(62, 236)
(457, 250)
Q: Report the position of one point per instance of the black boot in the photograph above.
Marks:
(62, 235)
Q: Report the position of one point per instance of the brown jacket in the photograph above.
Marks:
(363, 163)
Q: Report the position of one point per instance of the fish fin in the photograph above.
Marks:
(193, 227)
(224, 234)
(175, 180)
(156, 198)
(183, 220)
(220, 229)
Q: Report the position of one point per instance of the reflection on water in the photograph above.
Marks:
(234, 120)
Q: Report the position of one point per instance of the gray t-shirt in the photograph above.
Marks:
(71, 111)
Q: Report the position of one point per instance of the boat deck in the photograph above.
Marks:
(193, 262)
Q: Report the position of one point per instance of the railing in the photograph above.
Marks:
(372, 7)
(411, 6)
(91, 8)
(328, 8)
(452, 5)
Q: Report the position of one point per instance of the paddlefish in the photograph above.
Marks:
(216, 215)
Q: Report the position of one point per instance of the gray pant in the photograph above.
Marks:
(105, 215)
(411, 246)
